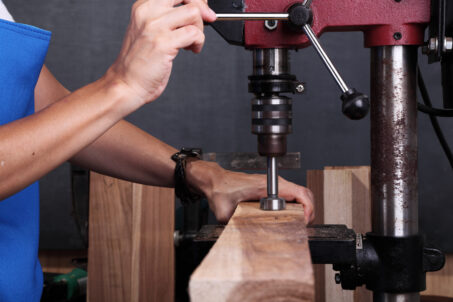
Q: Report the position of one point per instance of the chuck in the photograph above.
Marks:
(271, 113)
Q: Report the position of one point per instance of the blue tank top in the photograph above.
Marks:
(22, 52)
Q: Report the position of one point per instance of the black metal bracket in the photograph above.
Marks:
(232, 32)
(388, 264)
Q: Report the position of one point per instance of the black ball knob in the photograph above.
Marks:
(355, 104)
(299, 15)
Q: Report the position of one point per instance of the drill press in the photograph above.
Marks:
(392, 259)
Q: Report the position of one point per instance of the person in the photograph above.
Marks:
(43, 125)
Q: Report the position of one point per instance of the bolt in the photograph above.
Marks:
(300, 88)
(433, 44)
(448, 44)
(270, 24)
(397, 36)
(337, 278)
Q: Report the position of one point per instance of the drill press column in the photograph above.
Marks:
(271, 114)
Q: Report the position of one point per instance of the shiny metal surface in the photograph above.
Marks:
(322, 54)
(270, 61)
(394, 185)
(385, 297)
(272, 100)
(252, 16)
(271, 114)
(272, 176)
(272, 204)
(272, 129)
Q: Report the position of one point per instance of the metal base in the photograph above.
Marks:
(272, 204)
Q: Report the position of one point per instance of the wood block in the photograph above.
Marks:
(345, 198)
(130, 242)
(440, 283)
(260, 256)
(315, 181)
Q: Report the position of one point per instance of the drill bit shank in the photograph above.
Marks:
(272, 202)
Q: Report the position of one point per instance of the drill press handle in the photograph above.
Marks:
(355, 104)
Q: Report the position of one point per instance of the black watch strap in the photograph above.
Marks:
(182, 190)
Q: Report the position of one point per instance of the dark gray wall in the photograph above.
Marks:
(206, 104)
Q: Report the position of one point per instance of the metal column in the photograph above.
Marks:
(394, 189)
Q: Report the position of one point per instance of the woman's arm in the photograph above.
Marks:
(127, 152)
(33, 146)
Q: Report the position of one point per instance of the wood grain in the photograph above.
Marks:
(315, 181)
(130, 257)
(153, 227)
(110, 230)
(347, 201)
(260, 256)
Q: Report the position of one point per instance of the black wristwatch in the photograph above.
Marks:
(182, 191)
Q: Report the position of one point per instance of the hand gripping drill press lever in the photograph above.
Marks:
(391, 260)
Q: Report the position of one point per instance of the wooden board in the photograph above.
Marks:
(260, 256)
(315, 181)
(130, 242)
(441, 283)
(345, 198)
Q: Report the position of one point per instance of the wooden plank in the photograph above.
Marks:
(260, 256)
(153, 256)
(315, 182)
(110, 230)
(440, 283)
(131, 252)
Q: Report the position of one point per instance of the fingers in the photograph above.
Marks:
(182, 16)
(304, 196)
(207, 13)
(189, 37)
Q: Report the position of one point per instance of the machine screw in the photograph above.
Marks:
(300, 88)
(448, 44)
(270, 24)
(397, 36)
(433, 45)
(337, 278)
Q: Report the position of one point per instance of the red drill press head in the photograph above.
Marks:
(383, 22)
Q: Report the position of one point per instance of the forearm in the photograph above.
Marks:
(33, 146)
(124, 151)
(128, 152)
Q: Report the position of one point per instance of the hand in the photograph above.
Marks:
(156, 32)
(225, 189)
